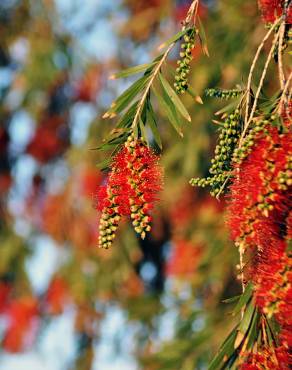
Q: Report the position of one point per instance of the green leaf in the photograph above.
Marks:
(143, 132)
(232, 299)
(174, 98)
(203, 37)
(153, 126)
(174, 38)
(127, 118)
(168, 107)
(245, 297)
(247, 317)
(127, 97)
(133, 70)
(253, 331)
(226, 350)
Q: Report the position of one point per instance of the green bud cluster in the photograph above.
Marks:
(223, 94)
(183, 64)
(241, 153)
(107, 229)
(284, 178)
(220, 169)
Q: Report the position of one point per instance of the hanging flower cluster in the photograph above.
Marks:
(259, 220)
(272, 9)
(131, 190)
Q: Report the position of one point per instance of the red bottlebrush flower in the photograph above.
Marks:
(21, 315)
(272, 9)
(184, 259)
(260, 193)
(259, 207)
(57, 295)
(131, 189)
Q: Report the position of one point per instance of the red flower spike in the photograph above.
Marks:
(131, 190)
(260, 223)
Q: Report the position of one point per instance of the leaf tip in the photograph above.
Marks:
(112, 77)
(198, 99)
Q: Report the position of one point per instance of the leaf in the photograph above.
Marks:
(174, 98)
(253, 331)
(127, 118)
(127, 97)
(174, 38)
(133, 70)
(232, 299)
(203, 38)
(226, 350)
(143, 132)
(246, 320)
(228, 108)
(245, 297)
(168, 107)
(153, 126)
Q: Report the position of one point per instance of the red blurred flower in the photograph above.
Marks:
(90, 180)
(57, 296)
(21, 315)
(184, 259)
(87, 87)
(50, 139)
(5, 290)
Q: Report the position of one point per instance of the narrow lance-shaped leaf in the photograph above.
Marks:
(225, 351)
(174, 98)
(203, 37)
(127, 97)
(174, 38)
(245, 297)
(168, 107)
(153, 125)
(133, 70)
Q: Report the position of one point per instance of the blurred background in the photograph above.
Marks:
(65, 304)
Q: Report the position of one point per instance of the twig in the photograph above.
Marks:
(249, 118)
(270, 55)
(280, 58)
(284, 94)
(253, 67)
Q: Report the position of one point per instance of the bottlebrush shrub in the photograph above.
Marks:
(131, 190)
(260, 200)
(272, 9)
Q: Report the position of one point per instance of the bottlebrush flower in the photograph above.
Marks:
(260, 193)
(131, 190)
(259, 207)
